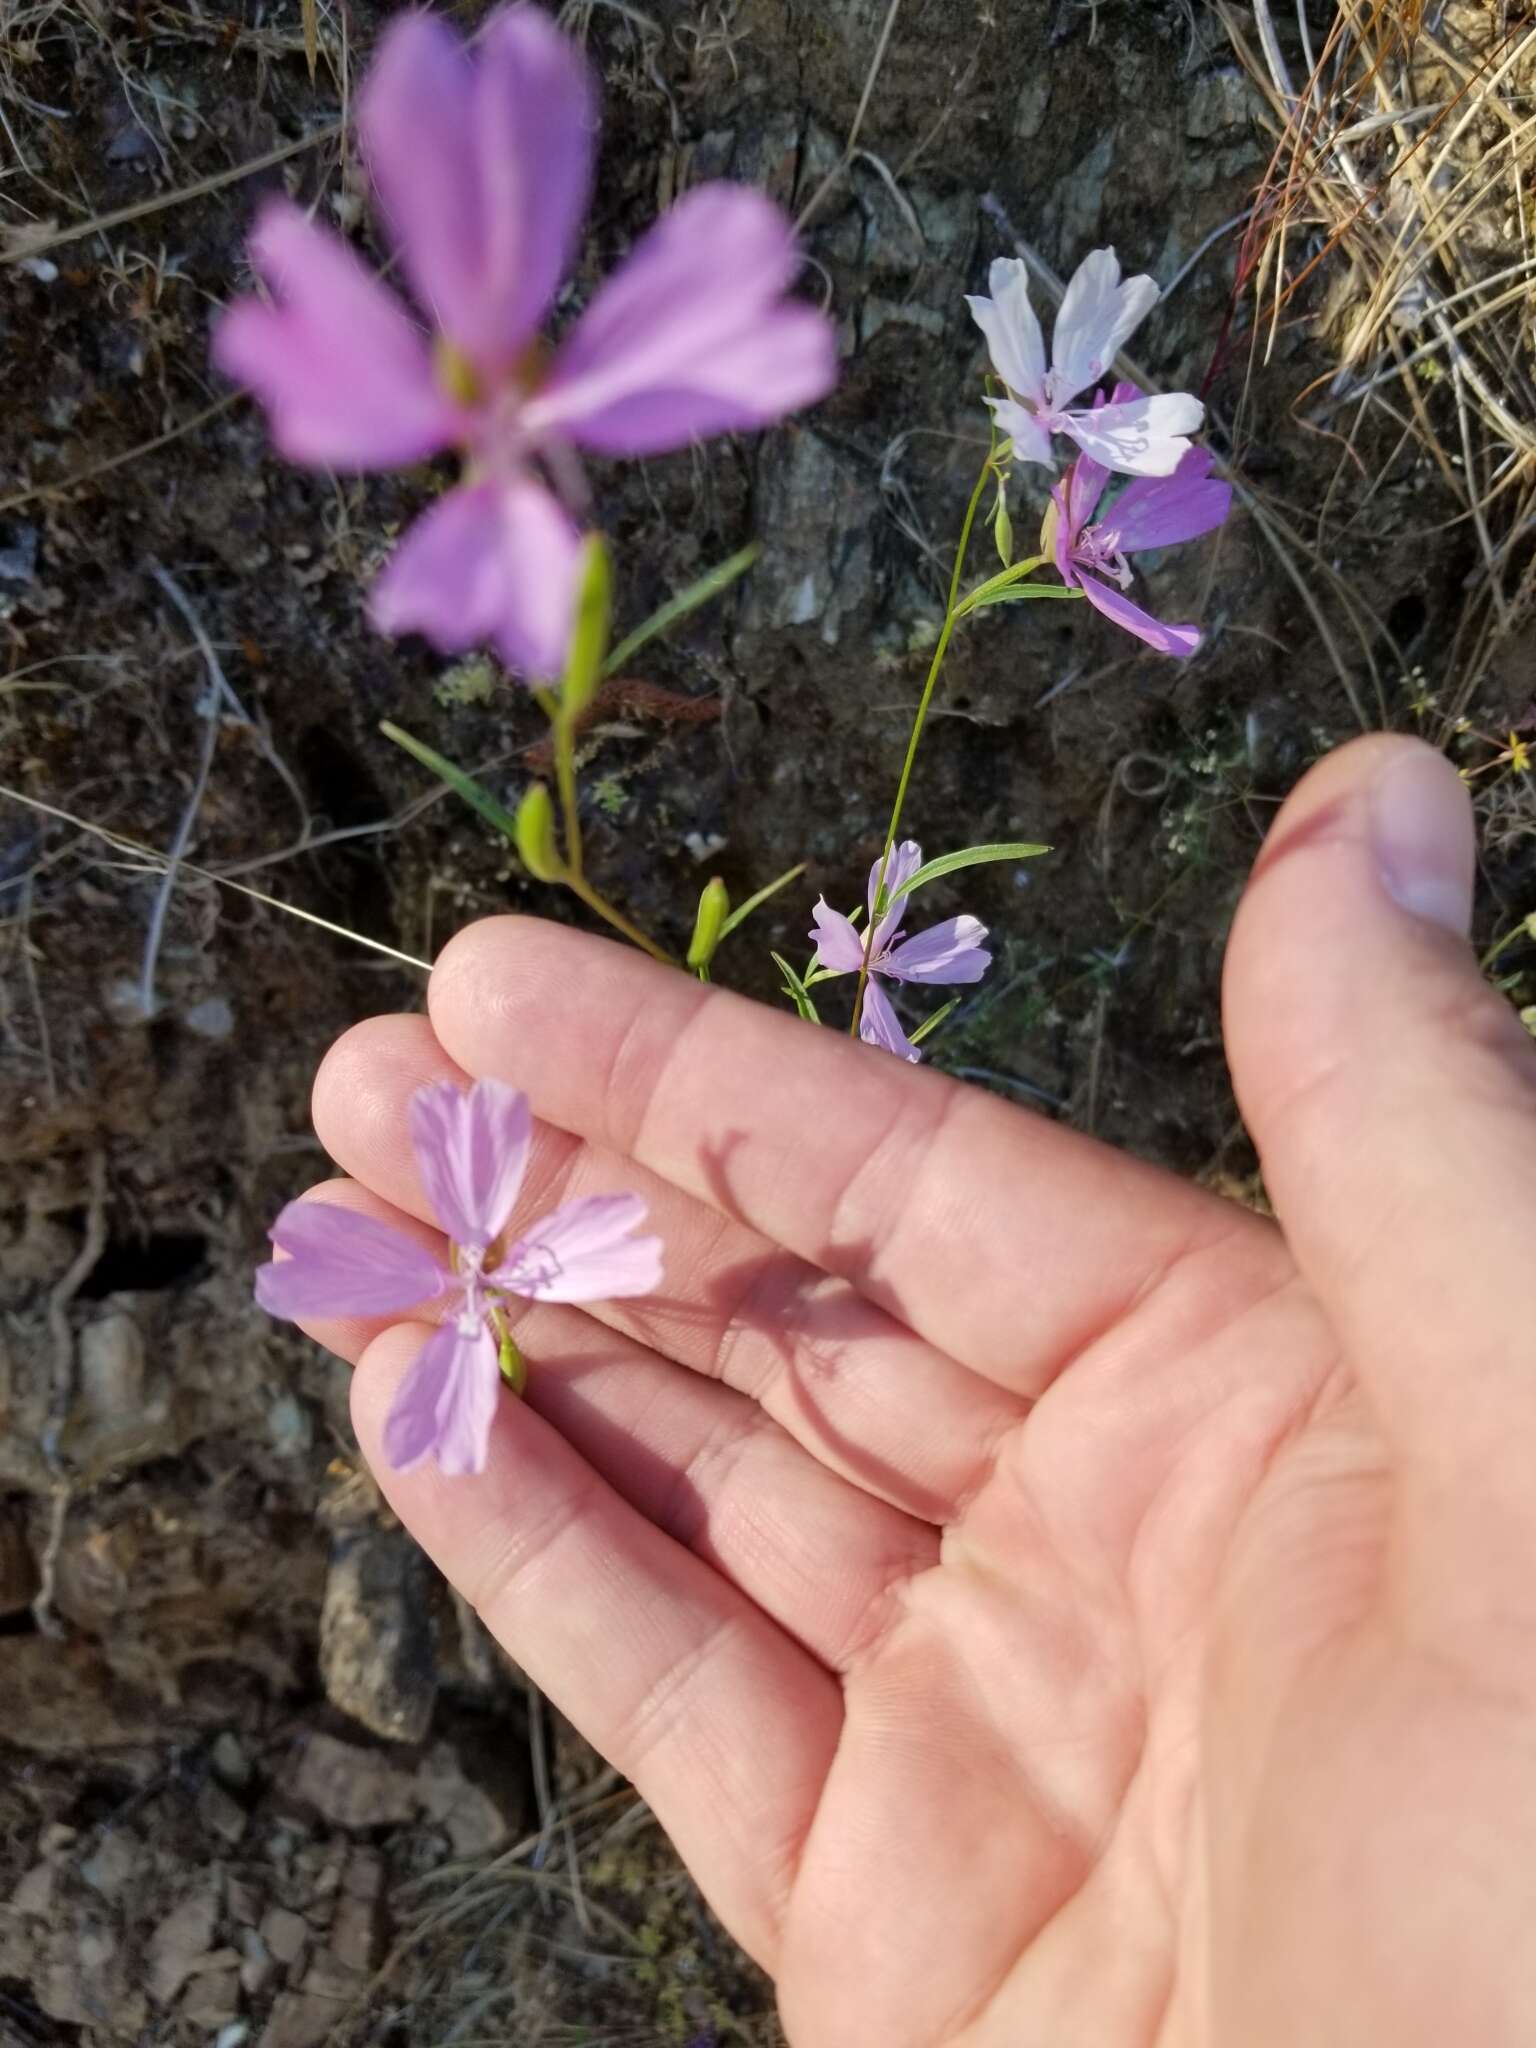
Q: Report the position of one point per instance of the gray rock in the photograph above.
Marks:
(111, 1367)
(377, 1639)
(283, 1935)
(214, 1017)
(1079, 199)
(259, 1966)
(18, 553)
(212, 1999)
(474, 1823)
(1221, 103)
(1034, 101)
(183, 1938)
(300, 2019)
(114, 1863)
(230, 1763)
(822, 507)
(289, 1429)
(353, 1787)
(221, 1813)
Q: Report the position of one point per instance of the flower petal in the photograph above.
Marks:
(1145, 438)
(345, 378)
(1031, 441)
(1058, 536)
(906, 859)
(445, 1405)
(1115, 605)
(1098, 316)
(484, 165)
(488, 563)
(1159, 512)
(691, 335)
(471, 1151)
(1085, 483)
(342, 1263)
(838, 946)
(878, 1025)
(1012, 329)
(583, 1251)
(951, 952)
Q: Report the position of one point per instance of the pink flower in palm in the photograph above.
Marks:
(947, 953)
(1140, 436)
(471, 1152)
(1151, 512)
(483, 166)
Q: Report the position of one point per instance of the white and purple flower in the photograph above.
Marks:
(1098, 315)
(1151, 512)
(483, 165)
(946, 954)
(471, 1152)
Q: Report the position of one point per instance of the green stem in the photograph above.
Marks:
(918, 723)
(580, 886)
(575, 876)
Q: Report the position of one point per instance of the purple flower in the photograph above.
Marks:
(1144, 437)
(1151, 512)
(946, 953)
(471, 1152)
(483, 165)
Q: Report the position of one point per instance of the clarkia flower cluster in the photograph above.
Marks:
(1151, 512)
(471, 1153)
(1173, 498)
(482, 164)
(947, 954)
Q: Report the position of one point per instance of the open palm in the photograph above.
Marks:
(1027, 1589)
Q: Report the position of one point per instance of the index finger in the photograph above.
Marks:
(1004, 1239)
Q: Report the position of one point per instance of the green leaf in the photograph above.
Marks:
(1020, 594)
(710, 923)
(972, 857)
(931, 1024)
(1001, 581)
(709, 585)
(461, 784)
(534, 830)
(584, 664)
(795, 989)
(744, 910)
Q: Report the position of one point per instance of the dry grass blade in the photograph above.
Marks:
(1396, 215)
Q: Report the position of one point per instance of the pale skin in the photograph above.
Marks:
(1048, 1606)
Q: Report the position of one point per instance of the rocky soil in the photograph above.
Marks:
(260, 1779)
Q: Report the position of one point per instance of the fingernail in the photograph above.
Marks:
(1426, 848)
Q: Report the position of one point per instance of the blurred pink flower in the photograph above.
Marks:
(471, 1152)
(482, 163)
(945, 953)
(1144, 437)
(1152, 512)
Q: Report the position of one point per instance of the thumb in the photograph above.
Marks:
(1392, 1096)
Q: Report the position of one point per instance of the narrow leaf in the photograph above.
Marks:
(931, 1024)
(744, 910)
(1020, 594)
(1001, 581)
(795, 989)
(709, 585)
(461, 784)
(972, 857)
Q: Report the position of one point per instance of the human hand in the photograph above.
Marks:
(1048, 1606)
